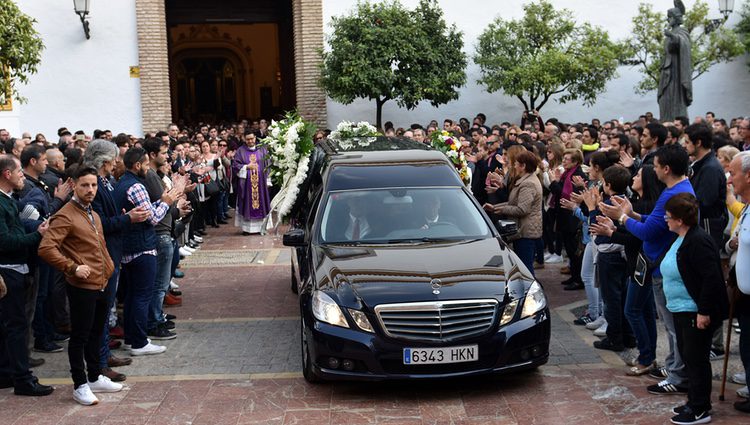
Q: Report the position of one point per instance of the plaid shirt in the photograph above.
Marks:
(138, 195)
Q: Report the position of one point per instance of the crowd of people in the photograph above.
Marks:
(650, 218)
(647, 216)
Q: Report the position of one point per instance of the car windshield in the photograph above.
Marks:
(401, 215)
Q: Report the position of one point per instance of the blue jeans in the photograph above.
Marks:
(175, 256)
(137, 279)
(640, 312)
(539, 251)
(589, 282)
(673, 362)
(109, 292)
(525, 249)
(164, 258)
(611, 269)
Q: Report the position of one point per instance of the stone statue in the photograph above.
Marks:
(676, 79)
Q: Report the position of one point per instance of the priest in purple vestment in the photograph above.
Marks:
(253, 203)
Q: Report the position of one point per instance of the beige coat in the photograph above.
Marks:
(525, 205)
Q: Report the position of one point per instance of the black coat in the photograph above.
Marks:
(480, 176)
(700, 268)
(114, 222)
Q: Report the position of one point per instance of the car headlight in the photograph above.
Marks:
(509, 312)
(534, 301)
(360, 319)
(325, 309)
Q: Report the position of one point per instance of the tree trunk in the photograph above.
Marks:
(379, 117)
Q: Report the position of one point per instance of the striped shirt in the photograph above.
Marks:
(138, 196)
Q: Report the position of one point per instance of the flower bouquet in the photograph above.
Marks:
(451, 147)
(289, 143)
(347, 134)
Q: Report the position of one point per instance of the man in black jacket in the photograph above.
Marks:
(708, 180)
(14, 355)
(710, 185)
(101, 154)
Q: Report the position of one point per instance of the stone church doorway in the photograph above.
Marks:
(230, 59)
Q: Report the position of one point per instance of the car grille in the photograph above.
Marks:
(437, 321)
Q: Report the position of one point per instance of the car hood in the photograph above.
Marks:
(375, 274)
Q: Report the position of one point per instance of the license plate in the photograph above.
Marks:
(466, 353)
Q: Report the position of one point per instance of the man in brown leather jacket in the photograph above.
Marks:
(75, 245)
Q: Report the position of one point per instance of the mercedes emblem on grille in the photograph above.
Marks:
(436, 285)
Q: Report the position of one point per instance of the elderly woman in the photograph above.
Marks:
(697, 298)
(102, 155)
(525, 205)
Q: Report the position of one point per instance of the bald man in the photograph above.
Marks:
(55, 169)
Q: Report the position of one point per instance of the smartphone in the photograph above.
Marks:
(80, 137)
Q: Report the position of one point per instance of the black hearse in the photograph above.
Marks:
(401, 274)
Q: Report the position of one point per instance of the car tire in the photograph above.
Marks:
(307, 366)
(295, 284)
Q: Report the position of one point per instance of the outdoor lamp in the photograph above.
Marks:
(82, 9)
(726, 7)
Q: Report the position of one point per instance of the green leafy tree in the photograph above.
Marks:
(546, 54)
(386, 52)
(20, 49)
(645, 49)
(743, 27)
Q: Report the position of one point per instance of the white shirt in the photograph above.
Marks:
(742, 266)
(364, 228)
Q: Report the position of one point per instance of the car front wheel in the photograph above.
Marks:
(307, 366)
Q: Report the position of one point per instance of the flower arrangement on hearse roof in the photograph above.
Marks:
(290, 144)
(450, 145)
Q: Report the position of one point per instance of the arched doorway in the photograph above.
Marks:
(210, 85)
(247, 46)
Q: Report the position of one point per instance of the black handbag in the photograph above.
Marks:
(211, 188)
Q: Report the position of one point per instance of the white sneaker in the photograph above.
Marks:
(601, 330)
(592, 326)
(104, 385)
(554, 259)
(739, 378)
(128, 346)
(173, 285)
(84, 396)
(743, 392)
(148, 349)
(547, 255)
(185, 252)
(191, 250)
(197, 238)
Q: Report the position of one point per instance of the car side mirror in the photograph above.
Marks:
(507, 228)
(294, 237)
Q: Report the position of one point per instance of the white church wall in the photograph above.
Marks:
(82, 84)
(725, 89)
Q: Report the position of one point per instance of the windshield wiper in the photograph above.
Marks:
(416, 240)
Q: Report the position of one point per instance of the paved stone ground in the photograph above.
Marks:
(236, 361)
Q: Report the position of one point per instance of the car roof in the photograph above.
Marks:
(379, 149)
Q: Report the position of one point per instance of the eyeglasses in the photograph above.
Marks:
(511, 134)
(667, 217)
(222, 145)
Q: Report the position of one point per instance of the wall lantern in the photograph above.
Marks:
(726, 7)
(82, 10)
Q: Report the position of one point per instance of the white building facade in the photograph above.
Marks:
(122, 79)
